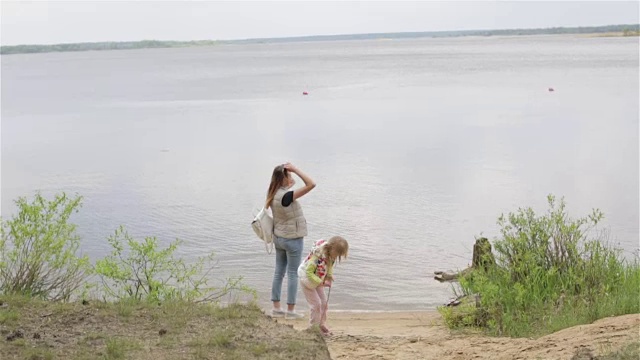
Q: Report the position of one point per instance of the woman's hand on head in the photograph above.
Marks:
(290, 167)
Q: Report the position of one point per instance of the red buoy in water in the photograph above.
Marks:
(305, 93)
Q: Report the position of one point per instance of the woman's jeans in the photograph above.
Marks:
(288, 256)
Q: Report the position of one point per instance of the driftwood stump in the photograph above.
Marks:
(482, 255)
(482, 259)
(467, 309)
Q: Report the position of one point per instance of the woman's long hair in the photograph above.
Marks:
(277, 181)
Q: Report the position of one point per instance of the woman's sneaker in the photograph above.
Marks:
(291, 315)
(277, 313)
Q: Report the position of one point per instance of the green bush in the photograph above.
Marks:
(38, 249)
(552, 272)
(141, 270)
(38, 258)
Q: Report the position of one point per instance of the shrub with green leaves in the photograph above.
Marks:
(39, 249)
(549, 242)
(552, 272)
(142, 270)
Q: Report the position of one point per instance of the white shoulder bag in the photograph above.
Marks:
(262, 225)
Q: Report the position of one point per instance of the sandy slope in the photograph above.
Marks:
(421, 335)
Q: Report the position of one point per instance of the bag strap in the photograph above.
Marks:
(273, 227)
(268, 247)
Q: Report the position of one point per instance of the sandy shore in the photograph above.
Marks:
(422, 335)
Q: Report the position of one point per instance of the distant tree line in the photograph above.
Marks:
(126, 45)
(625, 30)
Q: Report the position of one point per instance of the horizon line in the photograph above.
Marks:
(294, 37)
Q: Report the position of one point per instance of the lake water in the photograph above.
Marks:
(417, 146)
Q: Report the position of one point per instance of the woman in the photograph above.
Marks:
(289, 229)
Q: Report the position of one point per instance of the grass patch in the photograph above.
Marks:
(124, 308)
(168, 342)
(218, 338)
(19, 343)
(172, 330)
(118, 348)
(294, 346)
(218, 342)
(8, 317)
(222, 339)
(200, 353)
(552, 272)
(15, 301)
(38, 354)
(629, 352)
(259, 349)
(91, 338)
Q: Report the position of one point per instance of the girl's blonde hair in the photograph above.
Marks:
(336, 248)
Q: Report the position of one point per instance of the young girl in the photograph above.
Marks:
(316, 272)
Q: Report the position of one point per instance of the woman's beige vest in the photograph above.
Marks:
(288, 222)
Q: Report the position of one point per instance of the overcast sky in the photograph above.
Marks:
(46, 22)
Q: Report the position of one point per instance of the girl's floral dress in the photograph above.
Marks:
(315, 266)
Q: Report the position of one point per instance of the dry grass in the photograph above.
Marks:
(97, 330)
(629, 352)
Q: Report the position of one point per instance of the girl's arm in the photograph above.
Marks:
(309, 184)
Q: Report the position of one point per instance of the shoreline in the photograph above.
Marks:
(356, 312)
